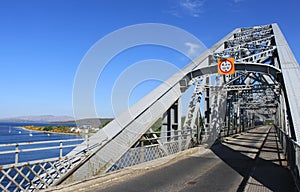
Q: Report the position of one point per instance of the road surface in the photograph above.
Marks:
(251, 161)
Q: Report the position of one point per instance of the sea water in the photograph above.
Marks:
(11, 132)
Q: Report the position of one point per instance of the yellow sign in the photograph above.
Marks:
(226, 66)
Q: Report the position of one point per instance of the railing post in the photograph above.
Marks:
(60, 149)
(17, 154)
(297, 149)
(88, 143)
(142, 160)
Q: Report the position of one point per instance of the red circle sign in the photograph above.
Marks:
(226, 66)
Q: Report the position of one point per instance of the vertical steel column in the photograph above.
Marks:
(277, 119)
(166, 126)
(283, 114)
(171, 123)
(235, 122)
(238, 115)
(246, 124)
(176, 120)
(229, 104)
(198, 126)
(252, 120)
(207, 105)
(242, 120)
(178, 115)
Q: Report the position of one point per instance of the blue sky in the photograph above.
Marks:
(42, 42)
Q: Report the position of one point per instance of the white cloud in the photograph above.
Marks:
(187, 7)
(192, 7)
(193, 49)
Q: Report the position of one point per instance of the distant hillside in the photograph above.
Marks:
(39, 118)
(94, 122)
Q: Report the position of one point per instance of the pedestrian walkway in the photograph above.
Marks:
(251, 161)
(270, 171)
(266, 164)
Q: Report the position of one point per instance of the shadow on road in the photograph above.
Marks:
(267, 172)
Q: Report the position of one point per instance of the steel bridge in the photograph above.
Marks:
(262, 90)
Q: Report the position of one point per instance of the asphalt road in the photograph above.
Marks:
(191, 174)
(249, 162)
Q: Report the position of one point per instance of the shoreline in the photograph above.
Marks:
(48, 132)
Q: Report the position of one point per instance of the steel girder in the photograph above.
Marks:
(257, 51)
(123, 132)
(291, 76)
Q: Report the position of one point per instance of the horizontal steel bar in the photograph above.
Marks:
(170, 137)
(35, 149)
(40, 142)
(28, 163)
(239, 66)
(293, 141)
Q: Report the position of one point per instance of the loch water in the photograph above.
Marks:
(12, 133)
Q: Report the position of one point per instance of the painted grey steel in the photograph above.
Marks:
(17, 176)
(61, 144)
(265, 71)
(292, 152)
(171, 124)
(291, 76)
(128, 127)
(119, 135)
(193, 114)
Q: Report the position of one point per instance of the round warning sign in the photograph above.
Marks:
(226, 66)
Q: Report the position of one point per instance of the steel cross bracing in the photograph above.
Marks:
(262, 88)
(192, 118)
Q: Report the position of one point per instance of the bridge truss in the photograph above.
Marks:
(263, 89)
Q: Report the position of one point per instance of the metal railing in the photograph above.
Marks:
(35, 174)
(292, 153)
(158, 147)
(25, 147)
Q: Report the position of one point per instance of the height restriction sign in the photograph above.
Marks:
(226, 66)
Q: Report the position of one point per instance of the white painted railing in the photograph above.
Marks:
(34, 146)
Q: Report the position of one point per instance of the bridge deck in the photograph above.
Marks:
(251, 161)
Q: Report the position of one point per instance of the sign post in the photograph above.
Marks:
(226, 66)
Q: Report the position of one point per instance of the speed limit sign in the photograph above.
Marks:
(226, 66)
